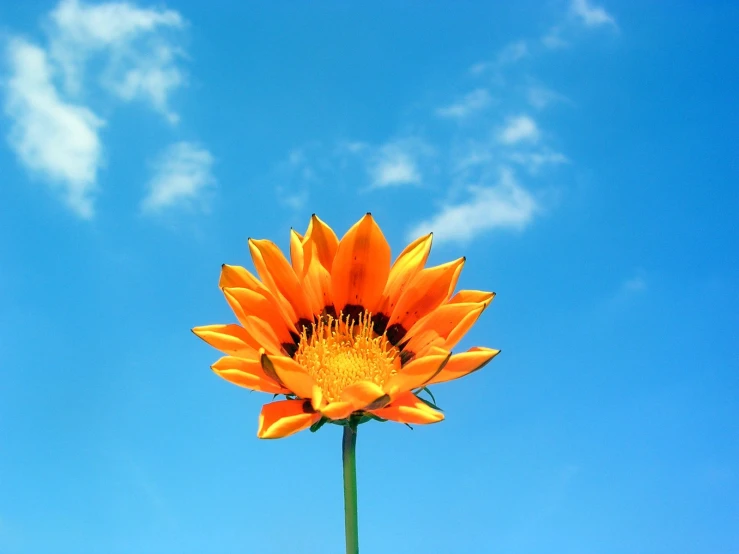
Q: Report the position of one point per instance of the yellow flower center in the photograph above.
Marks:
(338, 353)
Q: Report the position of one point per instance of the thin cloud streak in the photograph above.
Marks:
(513, 52)
(472, 102)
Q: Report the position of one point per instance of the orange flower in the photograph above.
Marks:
(342, 333)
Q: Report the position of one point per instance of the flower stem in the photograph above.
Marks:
(348, 457)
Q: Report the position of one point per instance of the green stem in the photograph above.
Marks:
(348, 446)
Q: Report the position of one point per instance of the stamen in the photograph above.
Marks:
(338, 352)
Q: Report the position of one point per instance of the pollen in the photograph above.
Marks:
(338, 352)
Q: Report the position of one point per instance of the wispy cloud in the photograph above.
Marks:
(634, 285)
(629, 289)
(533, 161)
(139, 60)
(297, 173)
(397, 163)
(591, 16)
(472, 102)
(495, 163)
(553, 39)
(513, 52)
(56, 140)
(509, 54)
(117, 48)
(541, 97)
(181, 178)
(152, 79)
(395, 168)
(503, 205)
(519, 129)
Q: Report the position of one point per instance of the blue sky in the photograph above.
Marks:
(582, 155)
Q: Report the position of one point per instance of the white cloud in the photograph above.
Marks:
(140, 61)
(505, 205)
(591, 16)
(395, 168)
(553, 39)
(473, 154)
(396, 163)
(54, 139)
(629, 289)
(518, 129)
(306, 167)
(354, 147)
(474, 101)
(540, 97)
(153, 79)
(513, 52)
(478, 68)
(182, 175)
(533, 161)
(634, 285)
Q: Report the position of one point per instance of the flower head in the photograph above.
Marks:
(341, 332)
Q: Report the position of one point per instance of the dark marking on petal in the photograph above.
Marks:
(379, 323)
(329, 311)
(307, 407)
(290, 348)
(406, 356)
(395, 333)
(269, 369)
(379, 403)
(306, 325)
(295, 337)
(353, 312)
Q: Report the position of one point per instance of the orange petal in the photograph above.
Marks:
(361, 266)
(249, 303)
(233, 276)
(237, 276)
(418, 372)
(362, 394)
(290, 373)
(231, 339)
(278, 276)
(450, 322)
(246, 373)
(420, 343)
(283, 418)
(324, 239)
(465, 363)
(406, 266)
(427, 290)
(296, 252)
(474, 296)
(317, 401)
(340, 409)
(460, 330)
(407, 408)
(317, 283)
